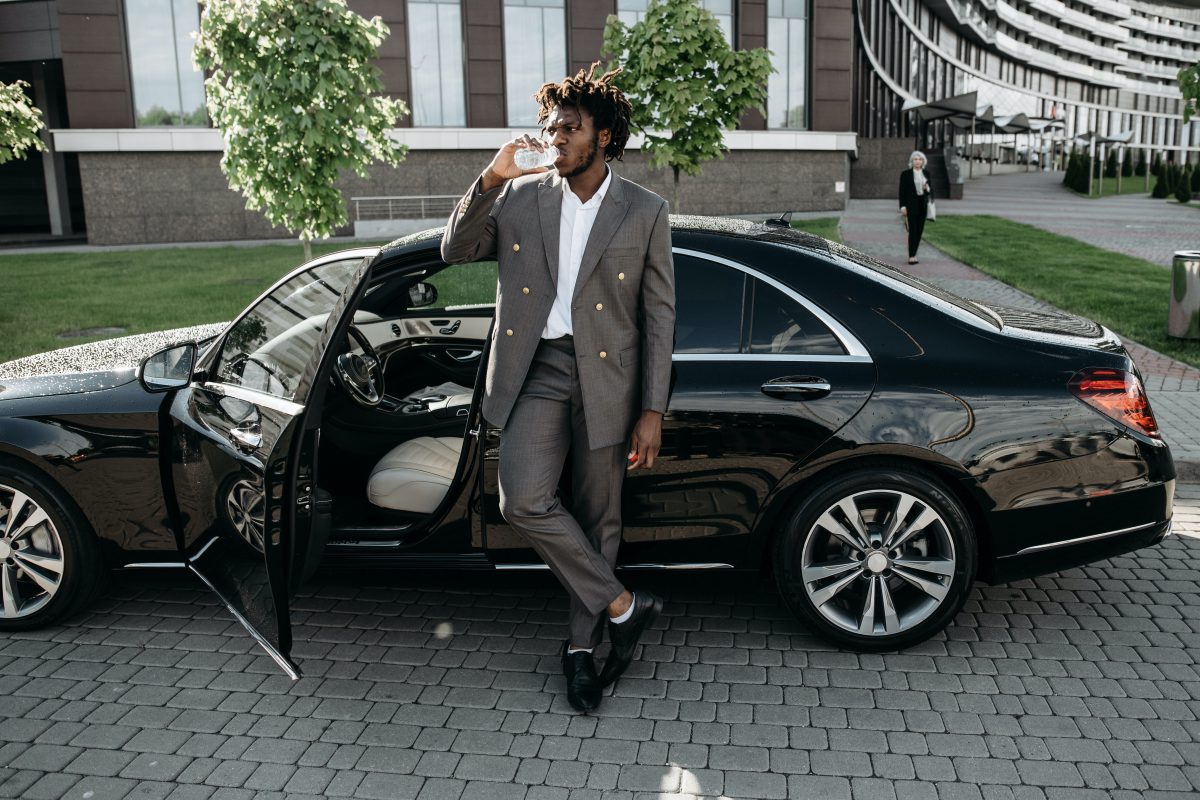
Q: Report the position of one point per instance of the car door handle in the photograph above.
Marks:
(463, 355)
(246, 437)
(804, 387)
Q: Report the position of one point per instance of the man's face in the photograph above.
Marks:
(572, 131)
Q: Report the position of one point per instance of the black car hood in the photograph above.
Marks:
(67, 383)
(91, 367)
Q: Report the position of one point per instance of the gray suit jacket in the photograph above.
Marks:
(623, 310)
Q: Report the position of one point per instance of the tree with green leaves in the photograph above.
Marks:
(686, 84)
(1189, 87)
(292, 89)
(1110, 163)
(20, 122)
(1142, 166)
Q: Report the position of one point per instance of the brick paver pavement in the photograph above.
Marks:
(1074, 686)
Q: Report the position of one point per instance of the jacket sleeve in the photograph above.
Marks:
(657, 311)
(900, 192)
(470, 233)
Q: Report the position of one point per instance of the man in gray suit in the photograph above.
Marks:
(580, 361)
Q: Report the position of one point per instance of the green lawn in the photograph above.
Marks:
(822, 226)
(139, 290)
(1126, 294)
(1134, 185)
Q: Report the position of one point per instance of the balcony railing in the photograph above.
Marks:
(1080, 20)
(436, 206)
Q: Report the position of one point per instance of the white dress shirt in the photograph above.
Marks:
(919, 181)
(574, 226)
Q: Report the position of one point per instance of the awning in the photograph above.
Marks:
(1013, 123)
(946, 107)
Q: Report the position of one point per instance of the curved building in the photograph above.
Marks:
(1090, 66)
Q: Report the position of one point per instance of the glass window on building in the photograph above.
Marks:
(167, 89)
(787, 88)
(435, 44)
(535, 52)
(632, 12)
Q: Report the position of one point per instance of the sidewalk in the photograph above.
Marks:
(1127, 224)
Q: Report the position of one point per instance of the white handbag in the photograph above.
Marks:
(931, 212)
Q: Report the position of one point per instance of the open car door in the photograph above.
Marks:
(250, 522)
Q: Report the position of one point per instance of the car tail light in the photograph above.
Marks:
(1118, 395)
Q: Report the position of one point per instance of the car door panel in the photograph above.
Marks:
(244, 496)
(762, 377)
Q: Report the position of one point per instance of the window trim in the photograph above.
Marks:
(856, 352)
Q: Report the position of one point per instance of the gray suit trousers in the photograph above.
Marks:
(580, 548)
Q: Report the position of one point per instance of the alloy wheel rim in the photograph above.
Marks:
(31, 555)
(878, 563)
(245, 507)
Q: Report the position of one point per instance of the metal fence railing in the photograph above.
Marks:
(410, 207)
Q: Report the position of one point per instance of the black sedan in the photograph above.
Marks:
(874, 443)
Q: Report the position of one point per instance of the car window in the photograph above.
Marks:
(708, 306)
(455, 286)
(463, 285)
(268, 348)
(779, 324)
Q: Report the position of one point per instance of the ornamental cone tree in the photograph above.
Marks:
(686, 84)
(293, 91)
(20, 122)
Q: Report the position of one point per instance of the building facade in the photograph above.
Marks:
(134, 159)
(1104, 67)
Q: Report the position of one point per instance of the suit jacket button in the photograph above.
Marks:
(525, 290)
(599, 306)
(508, 332)
(620, 276)
(516, 247)
(603, 354)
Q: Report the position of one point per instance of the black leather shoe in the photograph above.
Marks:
(583, 687)
(624, 637)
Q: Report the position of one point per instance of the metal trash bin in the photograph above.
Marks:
(1183, 318)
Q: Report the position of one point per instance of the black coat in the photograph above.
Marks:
(908, 193)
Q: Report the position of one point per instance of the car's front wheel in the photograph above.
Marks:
(49, 561)
(877, 559)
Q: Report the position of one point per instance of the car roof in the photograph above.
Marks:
(680, 223)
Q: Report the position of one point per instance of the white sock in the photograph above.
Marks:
(571, 650)
(628, 612)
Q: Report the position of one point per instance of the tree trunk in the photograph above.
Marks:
(675, 193)
(307, 248)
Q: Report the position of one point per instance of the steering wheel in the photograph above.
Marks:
(361, 375)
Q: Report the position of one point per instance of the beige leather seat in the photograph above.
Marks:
(415, 475)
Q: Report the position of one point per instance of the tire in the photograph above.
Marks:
(869, 597)
(54, 569)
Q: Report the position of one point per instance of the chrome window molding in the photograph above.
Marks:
(257, 398)
(855, 350)
(769, 357)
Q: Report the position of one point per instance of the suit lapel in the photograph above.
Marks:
(608, 219)
(550, 213)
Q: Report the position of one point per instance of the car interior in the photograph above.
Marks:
(389, 463)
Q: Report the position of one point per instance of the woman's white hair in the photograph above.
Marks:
(914, 155)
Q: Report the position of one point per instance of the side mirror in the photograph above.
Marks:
(168, 369)
(421, 294)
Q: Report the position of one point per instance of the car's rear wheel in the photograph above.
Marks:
(877, 559)
(49, 560)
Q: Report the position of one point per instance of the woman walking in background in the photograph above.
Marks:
(914, 201)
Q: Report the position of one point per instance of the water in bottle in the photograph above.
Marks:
(528, 158)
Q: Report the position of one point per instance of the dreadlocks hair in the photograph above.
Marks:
(599, 97)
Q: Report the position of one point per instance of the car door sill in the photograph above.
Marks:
(680, 565)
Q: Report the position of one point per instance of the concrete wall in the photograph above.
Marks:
(876, 172)
(169, 197)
